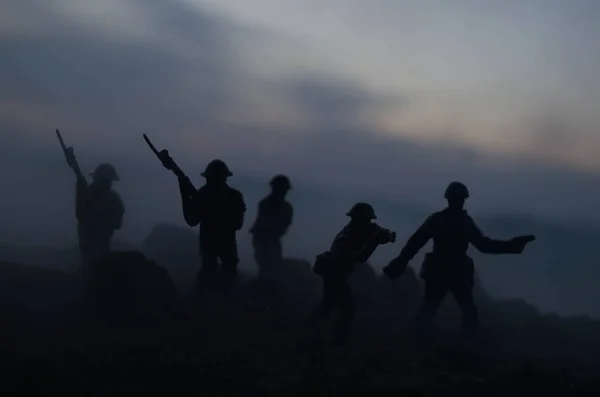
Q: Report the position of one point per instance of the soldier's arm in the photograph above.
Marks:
(259, 215)
(417, 241)
(119, 212)
(342, 247)
(290, 218)
(81, 192)
(241, 211)
(285, 223)
(486, 244)
(191, 209)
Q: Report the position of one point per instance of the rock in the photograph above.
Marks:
(174, 247)
(127, 286)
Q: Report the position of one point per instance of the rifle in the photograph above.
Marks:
(82, 196)
(170, 165)
(70, 157)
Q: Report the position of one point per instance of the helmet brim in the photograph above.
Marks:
(371, 217)
(281, 186)
(113, 179)
(227, 174)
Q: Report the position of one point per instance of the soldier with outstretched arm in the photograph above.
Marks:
(448, 268)
(274, 217)
(352, 246)
(98, 208)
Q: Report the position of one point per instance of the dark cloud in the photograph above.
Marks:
(119, 84)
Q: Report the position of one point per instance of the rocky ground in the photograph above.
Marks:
(50, 343)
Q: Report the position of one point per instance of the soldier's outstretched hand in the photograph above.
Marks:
(395, 268)
(166, 159)
(386, 236)
(392, 237)
(520, 242)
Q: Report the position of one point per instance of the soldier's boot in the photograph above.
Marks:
(434, 294)
(470, 318)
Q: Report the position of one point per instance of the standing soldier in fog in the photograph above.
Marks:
(448, 268)
(98, 208)
(274, 217)
(219, 210)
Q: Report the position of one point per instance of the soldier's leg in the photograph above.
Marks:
(84, 266)
(275, 260)
(209, 255)
(261, 255)
(229, 256)
(435, 290)
(85, 255)
(347, 306)
(98, 250)
(463, 294)
(277, 253)
(228, 253)
(328, 301)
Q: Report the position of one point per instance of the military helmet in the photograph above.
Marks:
(456, 190)
(217, 168)
(362, 210)
(105, 171)
(281, 181)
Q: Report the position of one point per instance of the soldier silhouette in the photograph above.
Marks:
(448, 268)
(274, 217)
(219, 210)
(99, 211)
(352, 246)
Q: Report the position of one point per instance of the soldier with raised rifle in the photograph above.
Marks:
(219, 210)
(98, 208)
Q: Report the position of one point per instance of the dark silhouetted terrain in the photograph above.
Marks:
(126, 340)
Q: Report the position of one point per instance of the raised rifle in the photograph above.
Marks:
(70, 156)
(170, 165)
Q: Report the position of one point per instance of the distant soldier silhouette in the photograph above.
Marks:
(275, 215)
(448, 268)
(219, 210)
(352, 246)
(99, 211)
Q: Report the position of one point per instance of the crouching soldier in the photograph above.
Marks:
(448, 268)
(352, 246)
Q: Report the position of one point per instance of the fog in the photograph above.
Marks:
(182, 75)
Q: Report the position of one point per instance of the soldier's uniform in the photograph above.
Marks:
(448, 268)
(220, 210)
(274, 217)
(99, 211)
(352, 246)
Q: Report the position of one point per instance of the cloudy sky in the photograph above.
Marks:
(390, 96)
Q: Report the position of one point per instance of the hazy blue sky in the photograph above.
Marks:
(391, 96)
(384, 100)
